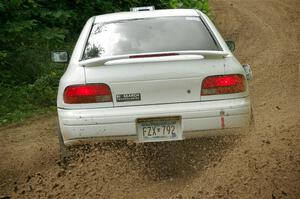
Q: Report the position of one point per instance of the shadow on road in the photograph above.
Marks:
(164, 160)
(183, 158)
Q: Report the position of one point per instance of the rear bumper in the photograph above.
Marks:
(198, 119)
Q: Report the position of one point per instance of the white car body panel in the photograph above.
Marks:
(119, 122)
(169, 86)
(174, 79)
(145, 14)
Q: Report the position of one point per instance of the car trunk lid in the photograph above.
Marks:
(149, 81)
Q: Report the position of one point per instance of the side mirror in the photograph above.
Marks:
(231, 45)
(60, 57)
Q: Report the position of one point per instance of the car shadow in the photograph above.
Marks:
(166, 160)
(182, 158)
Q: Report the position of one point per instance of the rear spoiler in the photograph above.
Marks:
(196, 54)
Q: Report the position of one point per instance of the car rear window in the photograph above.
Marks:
(148, 36)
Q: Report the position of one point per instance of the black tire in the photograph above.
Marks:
(64, 151)
(251, 127)
(252, 119)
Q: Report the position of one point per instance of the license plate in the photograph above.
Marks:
(159, 129)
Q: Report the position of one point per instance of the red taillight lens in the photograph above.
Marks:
(223, 84)
(89, 93)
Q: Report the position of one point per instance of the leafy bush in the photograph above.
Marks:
(18, 102)
(30, 29)
(196, 4)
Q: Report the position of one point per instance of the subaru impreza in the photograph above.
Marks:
(150, 76)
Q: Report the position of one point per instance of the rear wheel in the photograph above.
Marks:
(252, 119)
(64, 151)
(250, 127)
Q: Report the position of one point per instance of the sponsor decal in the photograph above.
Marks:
(128, 97)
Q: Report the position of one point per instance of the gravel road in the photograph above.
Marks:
(265, 163)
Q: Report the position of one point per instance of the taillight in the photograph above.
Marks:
(223, 84)
(87, 93)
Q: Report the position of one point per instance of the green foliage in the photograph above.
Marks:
(21, 101)
(196, 4)
(30, 29)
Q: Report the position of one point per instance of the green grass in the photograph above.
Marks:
(19, 116)
(18, 103)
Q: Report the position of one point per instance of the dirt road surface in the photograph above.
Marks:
(262, 164)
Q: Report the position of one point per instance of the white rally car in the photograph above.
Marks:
(151, 76)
